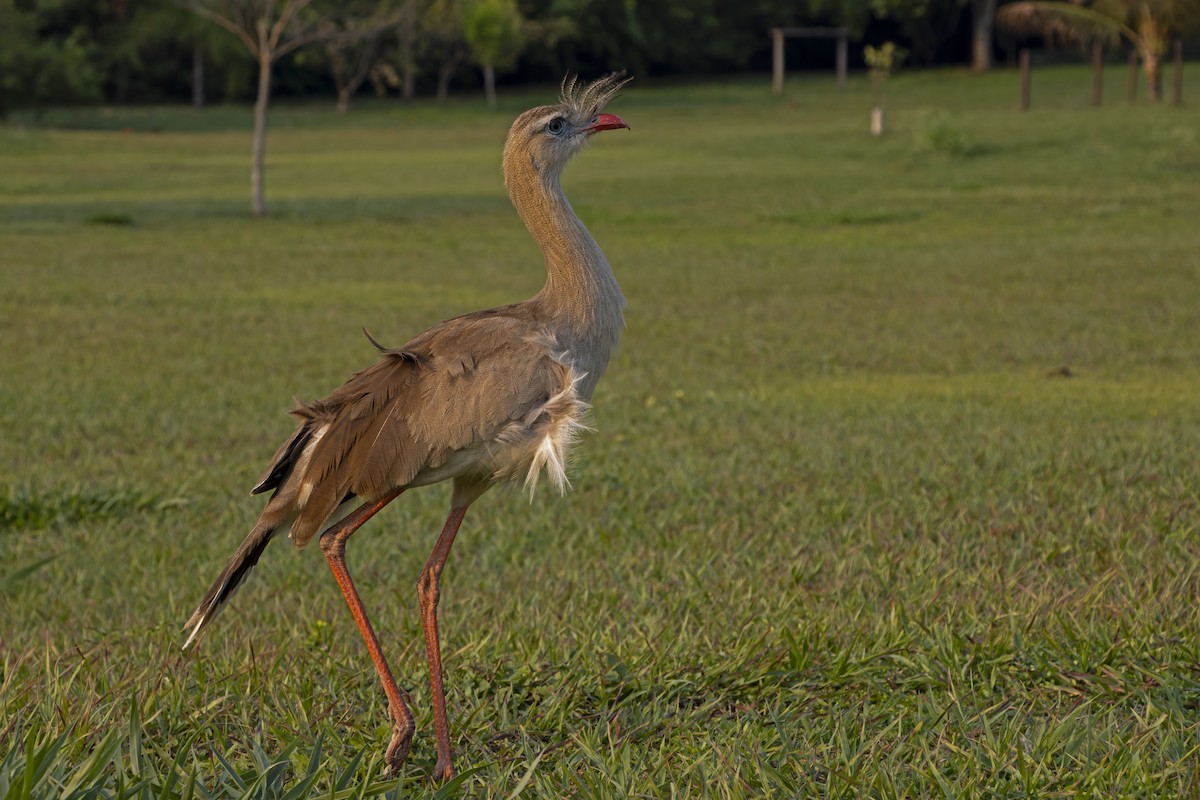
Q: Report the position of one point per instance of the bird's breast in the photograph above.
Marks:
(542, 439)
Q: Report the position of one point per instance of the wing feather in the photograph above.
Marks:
(459, 386)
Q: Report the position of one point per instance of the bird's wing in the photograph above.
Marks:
(489, 370)
(454, 389)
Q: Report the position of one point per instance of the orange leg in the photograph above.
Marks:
(429, 590)
(333, 544)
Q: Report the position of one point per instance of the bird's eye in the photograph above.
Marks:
(556, 126)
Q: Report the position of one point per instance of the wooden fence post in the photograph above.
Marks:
(1024, 78)
(1097, 73)
(1178, 98)
(777, 60)
(843, 51)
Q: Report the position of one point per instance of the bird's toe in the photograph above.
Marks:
(443, 771)
(397, 752)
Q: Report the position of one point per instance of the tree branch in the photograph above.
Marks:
(225, 22)
(293, 8)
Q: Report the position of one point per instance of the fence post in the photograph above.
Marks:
(1097, 73)
(1024, 78)
(1178, 98)
(843, 51)
(777, 60)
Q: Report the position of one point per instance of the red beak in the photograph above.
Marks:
(605, 122)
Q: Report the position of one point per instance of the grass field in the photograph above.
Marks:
(895, 489)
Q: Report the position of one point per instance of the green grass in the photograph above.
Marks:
(894, 490)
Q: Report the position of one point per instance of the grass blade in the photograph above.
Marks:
(9, 581)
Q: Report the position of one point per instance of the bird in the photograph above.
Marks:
(495, 397)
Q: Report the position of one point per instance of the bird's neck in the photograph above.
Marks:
(581, 292)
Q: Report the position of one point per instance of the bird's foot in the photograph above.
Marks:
(443, 771)
(397, 751)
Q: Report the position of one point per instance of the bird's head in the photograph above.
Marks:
(547, 136)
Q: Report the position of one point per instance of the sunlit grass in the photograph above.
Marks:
(893, 491)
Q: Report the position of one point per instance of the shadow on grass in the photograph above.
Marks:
(395, 209)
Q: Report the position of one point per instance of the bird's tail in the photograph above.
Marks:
(230, 579)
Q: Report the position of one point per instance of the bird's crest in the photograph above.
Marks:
(587, 100)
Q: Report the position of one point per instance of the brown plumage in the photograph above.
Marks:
(497, 396)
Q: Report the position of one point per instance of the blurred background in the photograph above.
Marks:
(56, 52)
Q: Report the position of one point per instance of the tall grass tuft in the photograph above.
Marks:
(944, 134)
(27, 508)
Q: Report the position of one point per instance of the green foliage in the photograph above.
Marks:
(124, 766)
(493, 30)
(159, 33)
(144, 50)
(942, 133)
(882, 61)
(40, 63)
(925, 24)
(353, 36)
(441, 40)
(846, 527)
(643, 35)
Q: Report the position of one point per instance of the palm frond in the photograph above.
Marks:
(1066, 23)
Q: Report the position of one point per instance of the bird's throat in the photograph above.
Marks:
(581, 293)
(578, 276)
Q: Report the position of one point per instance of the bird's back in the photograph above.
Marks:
(490, 395)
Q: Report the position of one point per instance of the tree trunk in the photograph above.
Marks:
(408, 45)
(1131, 80)
(1025, 79)
(445, 73)
(352, 81)
(489, 84)
(409, 84)
(121, 68)
(984, 13)
(121, 82)
(1153, 76)
(197, 73)
(258, 203)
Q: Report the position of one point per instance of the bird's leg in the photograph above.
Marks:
(429, 589)
(333, 544)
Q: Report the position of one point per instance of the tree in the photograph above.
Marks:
(639, 35)
(927, 24)
(1146, 24)
(41, 63)
(352, 32)
(881, 61)
(443, 41)
(269, 29)
(983, 14)
(493, 32)
(161, 32)
(407, 28)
